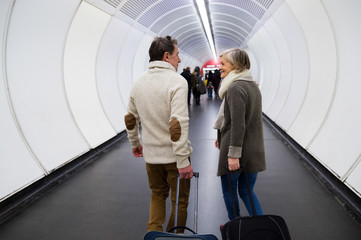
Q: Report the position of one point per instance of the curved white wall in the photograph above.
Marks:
(18, 164)
(65, 81)
(80, 57)
(66, 71)
(308, 56)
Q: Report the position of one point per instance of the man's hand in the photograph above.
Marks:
(138, 151)
(233, 164)
(186, 173)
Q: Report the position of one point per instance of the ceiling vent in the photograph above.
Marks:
(113, 3)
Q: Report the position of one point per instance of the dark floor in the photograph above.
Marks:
(109, 198)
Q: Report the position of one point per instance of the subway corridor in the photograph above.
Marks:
(109, 198)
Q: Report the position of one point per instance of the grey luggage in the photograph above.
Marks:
(157, 235)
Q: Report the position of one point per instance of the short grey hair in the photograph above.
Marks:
(238, 58)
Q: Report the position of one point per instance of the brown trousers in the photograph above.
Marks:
(162, 178)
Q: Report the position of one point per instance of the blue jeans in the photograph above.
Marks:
(210, 92)
(240, 180)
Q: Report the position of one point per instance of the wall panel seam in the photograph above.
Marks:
(8, 94)
(64, 88)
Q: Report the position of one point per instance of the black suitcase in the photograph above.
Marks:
(157, 235)
(256, 227)
(261, 227)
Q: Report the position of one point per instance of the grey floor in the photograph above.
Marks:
(109, 199)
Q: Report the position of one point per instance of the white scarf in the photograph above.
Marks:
(230, 78)
(226, 82)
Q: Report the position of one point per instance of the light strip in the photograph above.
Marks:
(205, 21)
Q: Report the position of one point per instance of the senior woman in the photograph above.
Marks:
(239, 130)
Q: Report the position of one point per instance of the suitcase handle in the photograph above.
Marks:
(182, 227)
(196, 175)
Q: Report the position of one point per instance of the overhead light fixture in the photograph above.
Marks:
(207, 27)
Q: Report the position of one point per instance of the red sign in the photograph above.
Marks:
(210, 64)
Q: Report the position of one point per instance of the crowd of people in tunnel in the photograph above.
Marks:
(165, 122)
(195, 81)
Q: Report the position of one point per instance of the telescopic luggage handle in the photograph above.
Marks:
(196, 175)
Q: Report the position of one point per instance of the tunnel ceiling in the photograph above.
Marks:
(232, 21)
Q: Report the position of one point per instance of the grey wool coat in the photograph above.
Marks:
(242, 131)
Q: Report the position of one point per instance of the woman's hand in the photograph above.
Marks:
(233, 164)
(216, 143)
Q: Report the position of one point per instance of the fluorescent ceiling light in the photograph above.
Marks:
(207, 27)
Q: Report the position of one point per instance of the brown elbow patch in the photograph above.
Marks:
(129, 121)
(175, 130)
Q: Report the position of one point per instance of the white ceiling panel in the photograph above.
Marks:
(232, 21)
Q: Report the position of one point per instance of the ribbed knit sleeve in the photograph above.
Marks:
(131, 120)
(179, 117)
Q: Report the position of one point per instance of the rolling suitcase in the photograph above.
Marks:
(157, 235)
(267, 227)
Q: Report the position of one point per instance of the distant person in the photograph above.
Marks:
(210, 85)
(163, 115)
(239, 130)
(187, 75)
(196, 79)
(216, 82)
